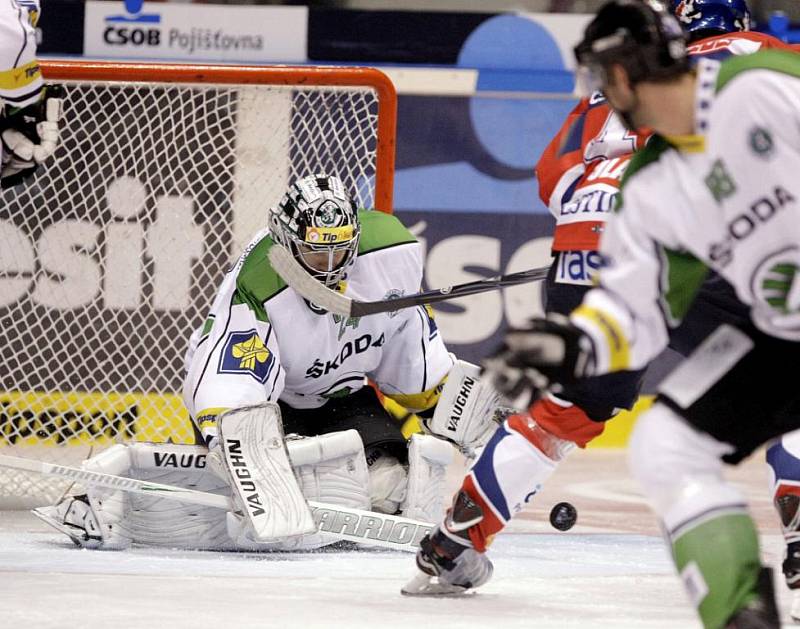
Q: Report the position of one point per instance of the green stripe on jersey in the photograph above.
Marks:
(209, 323)
(380, 230)
(257, 281)
(782, 61)
(683, 274)
(718, 562)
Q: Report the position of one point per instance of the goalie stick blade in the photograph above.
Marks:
(86, 477)
(284, 263)
(369, 527)
(295, 275)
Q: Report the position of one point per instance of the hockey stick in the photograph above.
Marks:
(353, 525)
(296, 276)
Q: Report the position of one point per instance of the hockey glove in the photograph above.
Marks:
(550, 353)
(30, 135)
(466, 411)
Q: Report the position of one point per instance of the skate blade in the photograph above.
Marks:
(795, 609)
(425, 585)
(44, 516)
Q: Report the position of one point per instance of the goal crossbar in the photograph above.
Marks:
(67, 70)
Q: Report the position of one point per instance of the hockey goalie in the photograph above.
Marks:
(30, 111)
(278, 391)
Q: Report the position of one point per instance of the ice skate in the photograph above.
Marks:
(73, 516)
(762, 612)
(791, 572)
(447, 563)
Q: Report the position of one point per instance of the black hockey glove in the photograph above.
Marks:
(30, 135)
(550, 353)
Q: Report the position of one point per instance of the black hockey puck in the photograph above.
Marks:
(563, 516)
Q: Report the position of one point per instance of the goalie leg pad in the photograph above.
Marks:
(330, 468)
(159, 521)
(466, 408)
(110, 507)
(428, 458)
(110, 521)
(262, 479)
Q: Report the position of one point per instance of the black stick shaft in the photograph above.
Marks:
(362, 308)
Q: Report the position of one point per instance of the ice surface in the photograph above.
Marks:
(610, 571)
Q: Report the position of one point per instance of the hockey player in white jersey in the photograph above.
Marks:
(582, 166)
(714, 189)
(262, 343)
(714, 31)
(31, 111)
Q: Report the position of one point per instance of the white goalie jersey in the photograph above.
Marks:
(263, 342)
(20, 77)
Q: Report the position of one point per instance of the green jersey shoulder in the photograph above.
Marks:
(782, 61)
(380, 230)
(257, 282)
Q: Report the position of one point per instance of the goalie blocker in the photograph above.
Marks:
(468, 409)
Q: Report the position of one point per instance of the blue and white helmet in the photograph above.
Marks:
(318, 222)
(712, 16)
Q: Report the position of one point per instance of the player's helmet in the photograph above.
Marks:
(705, 18)
(318, 222)
(640, 35)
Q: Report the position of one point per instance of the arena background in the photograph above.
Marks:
(480, 95)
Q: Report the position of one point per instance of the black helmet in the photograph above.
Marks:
(642, 36)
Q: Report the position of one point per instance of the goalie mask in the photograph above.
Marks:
(317, 221)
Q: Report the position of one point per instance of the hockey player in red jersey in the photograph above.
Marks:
(579, 174)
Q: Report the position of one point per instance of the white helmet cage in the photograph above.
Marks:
(316, 215)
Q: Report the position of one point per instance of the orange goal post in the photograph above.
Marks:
(110, 256)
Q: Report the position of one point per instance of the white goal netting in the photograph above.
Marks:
(110, 256)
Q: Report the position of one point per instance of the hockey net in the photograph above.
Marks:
(110, 256)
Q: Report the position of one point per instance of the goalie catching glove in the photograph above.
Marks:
(30, 135)
(549, 353)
